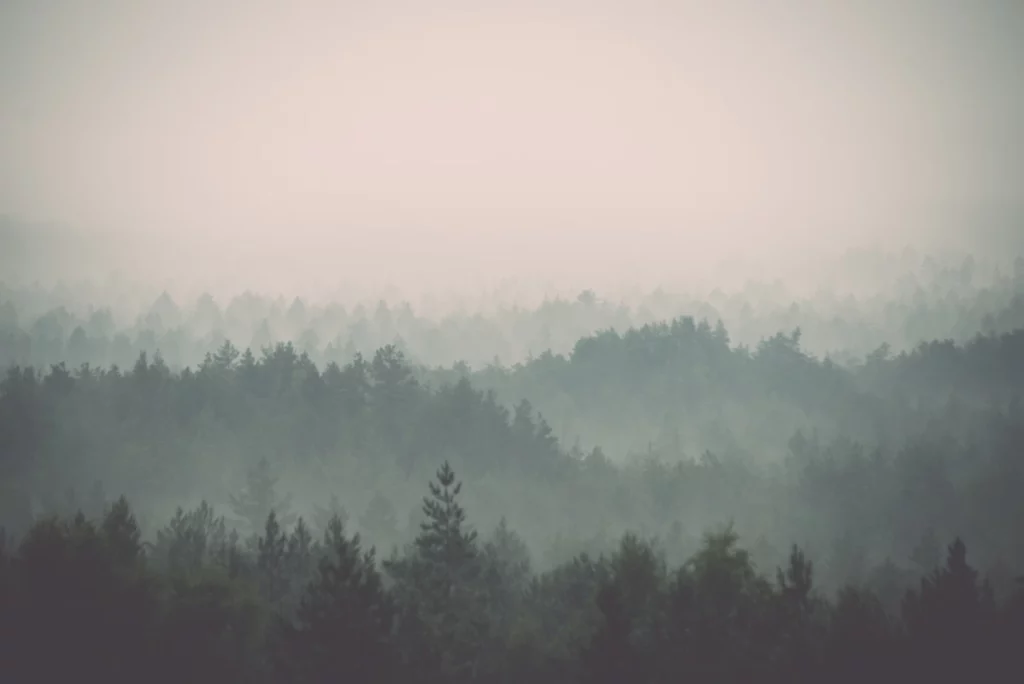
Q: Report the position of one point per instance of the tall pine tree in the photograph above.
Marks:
(438, 579)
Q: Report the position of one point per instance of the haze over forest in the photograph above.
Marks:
(640, 341)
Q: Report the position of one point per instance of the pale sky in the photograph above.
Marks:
(512, 138)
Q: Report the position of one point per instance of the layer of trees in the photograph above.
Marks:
(683, 384)
(87, 598)
(928, 461)
(902, 302)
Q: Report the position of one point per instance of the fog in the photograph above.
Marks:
(446, 145)
(576, 342)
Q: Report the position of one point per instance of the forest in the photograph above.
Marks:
(654, 502)
(511, 342)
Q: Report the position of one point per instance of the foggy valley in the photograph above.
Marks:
(511, 342)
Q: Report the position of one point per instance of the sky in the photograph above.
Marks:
(435, 142)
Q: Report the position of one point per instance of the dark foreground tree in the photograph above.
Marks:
(79, 602)
(344, 622)
(439, 581)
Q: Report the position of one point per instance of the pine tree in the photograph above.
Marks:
(226, 356)
(950, 616)
(439, 580)
(191, 539)
(121, 533)
(630, 601)
(505, 580)
(344, 619)
(798, 618)
(796, 582)
(272, 561)
(300, 561)
(610, 657)
(322, 516)
(259, 498)
(443, 542)
(723, 606)
(83, 597)
(508, 568)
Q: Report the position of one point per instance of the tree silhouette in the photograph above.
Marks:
(323, 515)
(272, 561)
(259, 498)
(610, 657)
(344, 620)
(951, 617)
(439, 579)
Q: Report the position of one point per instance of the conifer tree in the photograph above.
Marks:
(444, 540)
(259, 497)
(272, 561)
(191, 539)
(322, 515)
(950, 616)
(507, 567)
(344, 619)
(299, 561)
(121, 533)
(798, 620)
(226, 356)
(438, 579)
(610, 657)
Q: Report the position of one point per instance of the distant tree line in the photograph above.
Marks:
(921, 301)
(683, 383)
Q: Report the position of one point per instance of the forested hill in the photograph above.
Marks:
(682, 386)
(258, 484)
(918, 442)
